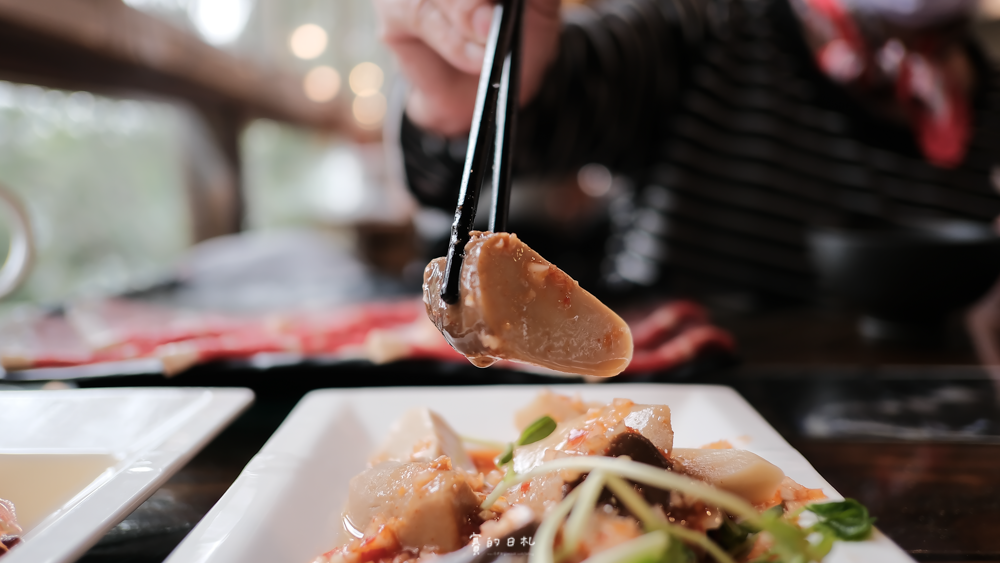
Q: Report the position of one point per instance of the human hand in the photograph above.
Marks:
(983, 323)
(440, 45)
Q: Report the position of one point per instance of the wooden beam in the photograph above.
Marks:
(107, 46)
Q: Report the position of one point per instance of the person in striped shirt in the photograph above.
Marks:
(731, 127)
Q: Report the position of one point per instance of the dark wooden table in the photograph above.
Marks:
(936, 493)
(940, 502)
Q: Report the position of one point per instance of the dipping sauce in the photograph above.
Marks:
(40, 484)
(515, 305)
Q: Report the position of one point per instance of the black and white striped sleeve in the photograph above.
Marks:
(608, 98)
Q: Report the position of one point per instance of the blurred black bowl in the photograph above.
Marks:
(907, 279)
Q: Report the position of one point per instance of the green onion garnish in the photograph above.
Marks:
(537, 430)
(847, 519)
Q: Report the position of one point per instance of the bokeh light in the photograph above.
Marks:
(369, 110)
(337, 186)
(595, 180)
(321, 84)
(219, 21)
(308, 41)
(366, 79)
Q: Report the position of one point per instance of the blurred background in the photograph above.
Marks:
(190, 168)
(190, 119)
(133, 130)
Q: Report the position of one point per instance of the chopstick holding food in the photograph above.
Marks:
(492, 297)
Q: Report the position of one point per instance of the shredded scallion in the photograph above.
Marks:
(590, 490)
(647, 548)
(545, 537)
(642, 473)
(651, 521)
(790, 541)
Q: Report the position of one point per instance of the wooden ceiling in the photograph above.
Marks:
(108, 47)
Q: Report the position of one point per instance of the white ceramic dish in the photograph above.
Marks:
(76, 462)
(291, 493)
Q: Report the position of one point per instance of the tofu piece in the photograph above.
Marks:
(559, 407)
(593, 432)
(426, 506)
(515, 305)
(653, 423)
(423, 435)
(738, 471)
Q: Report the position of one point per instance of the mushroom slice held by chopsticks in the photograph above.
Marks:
(514, 305)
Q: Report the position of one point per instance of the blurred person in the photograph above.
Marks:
(739, 123)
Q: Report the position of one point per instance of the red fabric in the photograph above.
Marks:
(117, 329)
(929, 93)
(938, 109)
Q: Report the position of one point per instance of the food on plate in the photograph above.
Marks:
(422, 435)
(600, 483)
(737, 471)
(515, 305)
(9, 530)
(415, 506)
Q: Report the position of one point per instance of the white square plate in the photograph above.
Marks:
(76, 462)
(285, 506)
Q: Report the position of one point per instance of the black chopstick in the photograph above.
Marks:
(498, 78)
(506, 124)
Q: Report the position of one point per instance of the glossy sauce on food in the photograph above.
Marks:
(515, 305)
